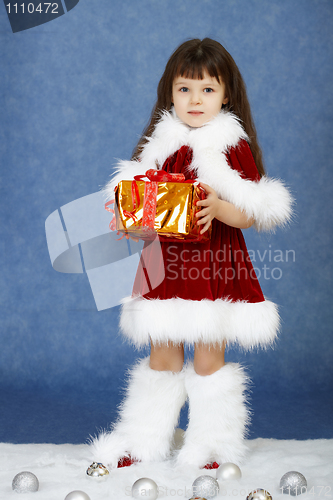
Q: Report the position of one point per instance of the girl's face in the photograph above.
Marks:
(196, 102)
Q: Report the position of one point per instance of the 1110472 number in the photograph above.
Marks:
(23, 8)
(316, 491)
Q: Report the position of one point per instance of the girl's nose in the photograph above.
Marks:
(195, 98)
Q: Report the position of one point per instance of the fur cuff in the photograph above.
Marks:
(125, 170)
(147, 418)
(268, 201)
(218, 417)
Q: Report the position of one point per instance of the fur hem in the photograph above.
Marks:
(212, 322)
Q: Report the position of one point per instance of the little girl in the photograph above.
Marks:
(201, 126)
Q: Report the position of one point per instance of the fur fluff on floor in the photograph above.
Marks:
(61, 469)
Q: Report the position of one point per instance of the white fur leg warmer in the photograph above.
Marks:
(147, 419)
(218, 417)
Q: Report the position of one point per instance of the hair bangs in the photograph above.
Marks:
(195, 68)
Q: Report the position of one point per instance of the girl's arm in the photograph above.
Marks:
(226, 212)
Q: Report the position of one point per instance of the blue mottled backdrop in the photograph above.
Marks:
(76, 93)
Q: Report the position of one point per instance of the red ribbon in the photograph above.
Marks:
(150, 195)
(149, 205)
(131, 215)
(112, 224)
(161, 176)
(135, 195)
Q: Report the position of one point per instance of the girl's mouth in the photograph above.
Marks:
(195, 113)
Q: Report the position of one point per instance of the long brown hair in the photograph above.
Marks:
(191, 60)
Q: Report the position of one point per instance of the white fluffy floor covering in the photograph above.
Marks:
(61, 469)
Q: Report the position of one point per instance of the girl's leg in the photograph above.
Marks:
(167, 357)
(208, 358)
(217, 412)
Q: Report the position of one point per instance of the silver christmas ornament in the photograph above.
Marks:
(205, 486)
(145, 488)
(98, 471)
(25, 482)
(228, 471)
(77, 495)
(293, 483)
(259, 494)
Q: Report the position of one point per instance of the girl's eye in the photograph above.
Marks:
(184, 89)
(208, 89)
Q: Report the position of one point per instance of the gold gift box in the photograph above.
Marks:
(175, 211)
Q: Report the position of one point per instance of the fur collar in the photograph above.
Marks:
(170, 134)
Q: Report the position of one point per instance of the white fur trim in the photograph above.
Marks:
(179, 320)
(170, 134)
(147, 419)
(125, 170)
(218, 417)
(267, 201)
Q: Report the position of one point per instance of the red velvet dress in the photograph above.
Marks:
(217, 269)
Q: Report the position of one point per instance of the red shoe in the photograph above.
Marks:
(126, 462)
(213, 465)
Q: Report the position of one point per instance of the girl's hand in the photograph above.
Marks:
(210, 207)
(222, 210)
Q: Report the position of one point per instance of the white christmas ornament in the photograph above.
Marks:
(145, 488)
(205, 486)
(77, 495)
(25, 482)
(228, 471)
